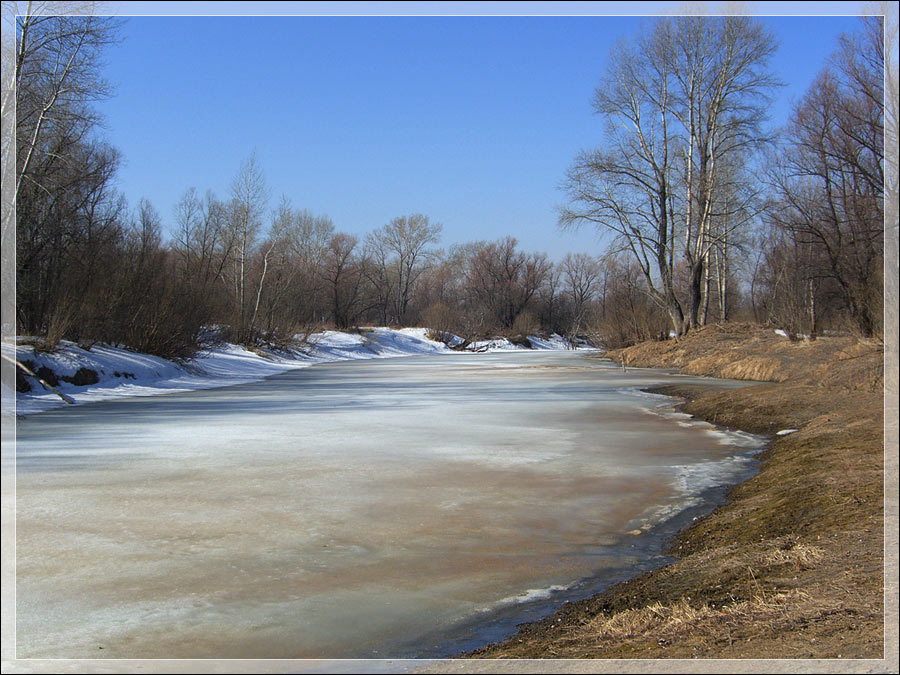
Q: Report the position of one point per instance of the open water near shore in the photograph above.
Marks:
(408, 507)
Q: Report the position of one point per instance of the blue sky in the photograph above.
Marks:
(471, 120)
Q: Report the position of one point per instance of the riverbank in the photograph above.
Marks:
(792, 566)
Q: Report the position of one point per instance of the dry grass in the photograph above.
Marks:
(670, 621)
(749, 352)
(803, 556)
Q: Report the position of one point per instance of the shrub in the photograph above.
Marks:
(524, 325)
(441, 322)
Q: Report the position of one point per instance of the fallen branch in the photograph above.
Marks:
(25, 369)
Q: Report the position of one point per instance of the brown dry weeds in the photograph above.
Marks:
(792, 565)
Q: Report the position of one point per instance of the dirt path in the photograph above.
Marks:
(793, 565)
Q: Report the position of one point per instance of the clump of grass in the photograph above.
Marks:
(668, 621)
(804, 556)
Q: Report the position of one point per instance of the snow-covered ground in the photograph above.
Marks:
(123, 373)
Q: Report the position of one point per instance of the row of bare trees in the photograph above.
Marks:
(711, 217)
(261, 275)
(295, 272)
(692, 188)
(90, 267)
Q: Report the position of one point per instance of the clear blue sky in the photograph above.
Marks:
(471, 120)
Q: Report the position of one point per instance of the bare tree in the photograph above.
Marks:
(626, 313)
(57, 74)
(399, 252)
(892, 182)
(551, 300)
(504, 279)
(737, 204)
(249, 196)
(199, 226)
(721, 102)
(342, 273)
(273, 254)
(685, 94)
(830, 180)
(287, 272)
(449, 308)
(62, 185)
(581, 274)
(628, 189)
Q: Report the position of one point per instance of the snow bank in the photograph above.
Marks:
(500, 344)
(122, 373)
(555, 341)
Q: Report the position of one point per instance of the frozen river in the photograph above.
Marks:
(383, 508)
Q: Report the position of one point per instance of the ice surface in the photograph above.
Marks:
(336, 510)
(530, 595)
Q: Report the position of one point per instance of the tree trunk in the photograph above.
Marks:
(811, 304)
(704, 311)
(695, 294)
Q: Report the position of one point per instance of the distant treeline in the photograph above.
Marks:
(711, 218)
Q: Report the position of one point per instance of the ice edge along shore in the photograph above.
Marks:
(123, 373)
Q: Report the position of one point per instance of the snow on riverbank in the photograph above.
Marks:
(122, 373)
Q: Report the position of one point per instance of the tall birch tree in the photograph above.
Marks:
(249, 197)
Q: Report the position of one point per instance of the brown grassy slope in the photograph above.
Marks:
(792, 565)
